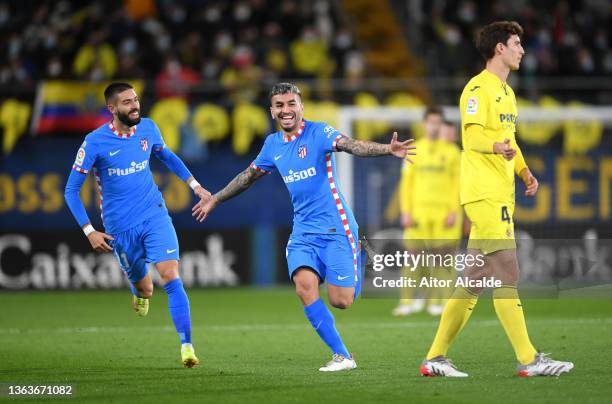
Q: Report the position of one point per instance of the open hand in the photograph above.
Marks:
(202, 209)
(401, 149)
(202, 193)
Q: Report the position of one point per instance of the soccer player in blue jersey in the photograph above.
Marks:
(137, 225)
(324, 243)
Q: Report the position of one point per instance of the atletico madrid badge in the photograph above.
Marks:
(144, 143)
(302, 151)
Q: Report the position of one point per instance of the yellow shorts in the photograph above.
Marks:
(492, 225)
(430, 225)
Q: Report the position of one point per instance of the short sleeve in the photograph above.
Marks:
(158, 140)
(85, 157)
(264, 162)
(329, 138)
(474, 106)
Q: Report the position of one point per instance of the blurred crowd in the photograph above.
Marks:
(177, 44)
(237, 44)
(561, 38)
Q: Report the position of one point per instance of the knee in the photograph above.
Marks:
(306, 290)
(145, 291)
(169, 276)
(168, 271)
(342, 302)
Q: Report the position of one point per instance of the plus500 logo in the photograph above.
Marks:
(134, 168)
(299, 175)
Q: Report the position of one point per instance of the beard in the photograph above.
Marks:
(126, 120)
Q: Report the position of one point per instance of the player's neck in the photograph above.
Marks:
(120, 126)
(293, 131)
(498, 68)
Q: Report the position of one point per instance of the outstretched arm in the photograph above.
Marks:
(239, 184)
(176, 165)
(364, 148)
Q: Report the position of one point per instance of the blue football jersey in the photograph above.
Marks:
(120, 164)
(307, 165)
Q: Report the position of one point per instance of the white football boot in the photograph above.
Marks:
(435, 309)
(415, 306)
(339, 362)
(542, 365)
(440, 366)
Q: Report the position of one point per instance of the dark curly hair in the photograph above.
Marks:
(494, 33)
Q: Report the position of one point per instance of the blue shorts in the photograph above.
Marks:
(153, 240)
(329, 255)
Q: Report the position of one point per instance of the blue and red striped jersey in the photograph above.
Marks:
(305, 160)
(120, 164)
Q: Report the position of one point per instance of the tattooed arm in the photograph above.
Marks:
(364, 148)
(239, 184)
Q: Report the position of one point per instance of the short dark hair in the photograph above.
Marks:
(284, 88)
(115, 88)
(433, 110)
(494, 33)
(449, 123)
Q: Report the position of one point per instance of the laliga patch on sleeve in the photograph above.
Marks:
(80, 157)
(472, 106)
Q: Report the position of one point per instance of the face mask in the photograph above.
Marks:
(223, 41)
(54, 68)
(212, 15)
(344, 40)
(544, 38)
(242, 12)
(129, 46)
(14, 47)
(163, 42)
(453, 36)
(174, 67)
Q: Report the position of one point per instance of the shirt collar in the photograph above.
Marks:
(122, 135)
(292, 137)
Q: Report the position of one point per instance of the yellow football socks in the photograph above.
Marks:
(510, 313)
(455, 315)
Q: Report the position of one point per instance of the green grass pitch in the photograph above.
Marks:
(257, 346)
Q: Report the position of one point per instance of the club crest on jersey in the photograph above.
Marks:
(144, 143)
(302, 151)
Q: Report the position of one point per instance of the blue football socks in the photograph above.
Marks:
(322, 321)
(178, 303)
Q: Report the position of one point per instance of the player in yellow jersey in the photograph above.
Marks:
(428, 216)
(448, 134)
(489, 162)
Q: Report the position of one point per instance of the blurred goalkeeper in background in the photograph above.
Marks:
(490, 160)
(430, 212)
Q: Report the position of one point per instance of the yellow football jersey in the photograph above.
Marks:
(433, 179)
(489, 102)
